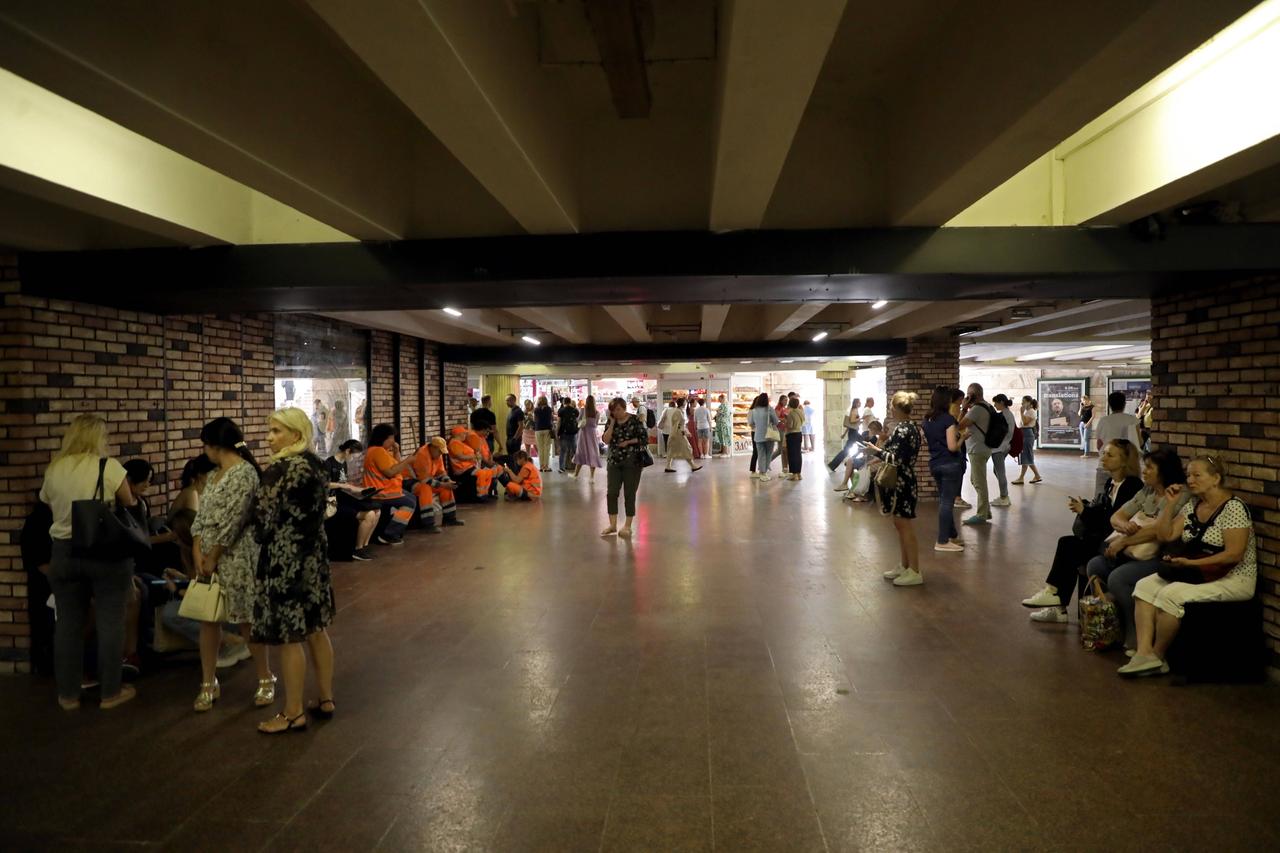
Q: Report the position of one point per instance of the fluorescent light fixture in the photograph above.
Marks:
(1071, 351)
(879, 303)
(452, 312)
(744, 362)
(530, 340)
(788, 361)
(819, 336)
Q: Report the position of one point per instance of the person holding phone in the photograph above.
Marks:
(628, 442)
(352, 499)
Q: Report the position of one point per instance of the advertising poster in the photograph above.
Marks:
(1134, 388)
(1060, 412)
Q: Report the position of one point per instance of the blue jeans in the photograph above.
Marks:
(947, 476)
(568, 445)
(764, 455)
(1120, 582)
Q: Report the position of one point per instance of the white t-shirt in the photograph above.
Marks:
(702, 418)
(74, 478)
(664, 420)
(1116, 425)
(867, 417)
(1032, 415)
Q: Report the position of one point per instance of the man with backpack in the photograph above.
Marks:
(987, 430)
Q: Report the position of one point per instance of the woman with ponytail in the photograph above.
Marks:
(223, 543)
(294, 593)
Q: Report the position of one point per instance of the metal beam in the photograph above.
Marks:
(647, 267)
(684, 352)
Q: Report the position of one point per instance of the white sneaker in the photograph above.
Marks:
(1047, 597)
(894, 574)
(961, 503)
(764, 478)
(1049, 614)
(909, 578)
(949, 547)
(233, 656)
(755, 476)
(1002, 502)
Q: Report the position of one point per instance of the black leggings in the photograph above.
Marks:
(795, 452)
(1071, 555)
(849, 438)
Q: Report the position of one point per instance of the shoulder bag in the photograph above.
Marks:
(1194, 548)
(102, 531)
(204, 601)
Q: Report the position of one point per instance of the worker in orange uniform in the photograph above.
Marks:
(434, 489)
(384, 471)
(466, 467)
(526, 482)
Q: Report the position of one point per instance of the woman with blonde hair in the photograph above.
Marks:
(82, 471)
(899, 501)
(294, 594)
(528, 437)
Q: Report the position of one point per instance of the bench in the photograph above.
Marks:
(1220, 642)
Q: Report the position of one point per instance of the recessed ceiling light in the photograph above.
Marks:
(452, 312)
(879, 303)
(530, 340)
(819, 336)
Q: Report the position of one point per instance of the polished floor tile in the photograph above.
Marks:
(736, 677)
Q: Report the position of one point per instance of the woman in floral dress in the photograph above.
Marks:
(724, 427)
(294, 602)
(901, 449)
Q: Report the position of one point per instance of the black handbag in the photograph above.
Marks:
(102, 531)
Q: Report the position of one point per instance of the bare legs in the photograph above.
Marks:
(1156, 629)
(210, 642)
(293, 666)
(908, 546)
(260, 652)
(364, 532)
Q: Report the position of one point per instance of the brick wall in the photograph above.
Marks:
(410, 378)
(1216, 376)
(927, 362)
(455, 394)
(382, 374)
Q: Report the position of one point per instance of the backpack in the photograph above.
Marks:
(1015, 446)
(997, 427)
(650, 420)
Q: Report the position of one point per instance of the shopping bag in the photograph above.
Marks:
(204, 601)
(1099, 620)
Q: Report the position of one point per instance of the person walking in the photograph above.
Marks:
(293, 599)
(319, 420)
(795, 437)
(587, 454)
(807, 430)
(515, 425)
(724, 427)
(1030, 421)
(567, 426)
(852, 432)
(946, 464)
(764, 434)
(82, 471)
(678, 446)
(899, 502)
(664, 426)
(1001, 454)
(976, 416)
(224, 545)
(628, 442)
(1086, 415)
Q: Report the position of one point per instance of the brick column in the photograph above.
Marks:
(928, 362)
(1215, 358)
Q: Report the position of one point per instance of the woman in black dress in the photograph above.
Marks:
(294, 595)
(901, 448)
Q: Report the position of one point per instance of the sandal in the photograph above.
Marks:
(291, 724)
(1037, 480)
(266, 692)
(624, 533)
(318, 710)
(609, 531)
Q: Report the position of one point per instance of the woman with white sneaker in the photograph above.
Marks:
(946, 464)
(1120, 459)
(1215, 559)
(901, 449)
(763, 425)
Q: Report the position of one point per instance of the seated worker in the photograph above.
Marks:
(384, 471)
(434, 489)
(351, 500)
(526, 482)
(470, 468)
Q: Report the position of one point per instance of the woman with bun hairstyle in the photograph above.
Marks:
(294, 593)
(223, 543)
(901, 449)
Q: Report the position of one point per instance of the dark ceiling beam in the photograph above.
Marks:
(616, 25)
(694, 351)
(648, 267)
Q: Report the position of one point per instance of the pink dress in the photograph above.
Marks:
(587, 453)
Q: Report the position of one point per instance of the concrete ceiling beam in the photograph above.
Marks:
(1108, 305)
(782, 320)
(470, 74)
(633, 319)
(713, 317)
(880, 318)
(617, 31)
(572, 323)
(770, 57)
(1102, 325)
(946, 315)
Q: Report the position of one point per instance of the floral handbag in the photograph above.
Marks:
(1099, 620)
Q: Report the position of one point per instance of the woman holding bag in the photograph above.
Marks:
(293, 600)
(628, 441)
(224, 547)
(899, 498)
(74, 475)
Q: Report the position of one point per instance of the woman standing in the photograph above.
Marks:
(587, 452)
(698, 416)
(320, 420)
(628, 442)
(528, 436)
(341, 423)
(223, 544)
(946, 464)
(1030, 419)
(1086, 415)
(678, 446)
(82, 471)
(293, 600)
(780, 418)
(763, 429)
(724, 427)
(795, 437)
(543, 424)
(901, 449)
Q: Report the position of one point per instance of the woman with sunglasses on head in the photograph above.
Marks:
(1214, 559)
(1120, 459)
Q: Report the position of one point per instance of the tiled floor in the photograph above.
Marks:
(737, 678)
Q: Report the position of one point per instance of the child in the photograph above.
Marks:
(526, 482)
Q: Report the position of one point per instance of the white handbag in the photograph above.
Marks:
(204, 601)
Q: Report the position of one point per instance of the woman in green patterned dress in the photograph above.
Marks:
(724, 427)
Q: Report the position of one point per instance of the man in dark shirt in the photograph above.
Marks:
(515, 424)
(484, 417)
(567, 434)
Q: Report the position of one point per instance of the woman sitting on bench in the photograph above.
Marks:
(1213, 558)
(526, 482)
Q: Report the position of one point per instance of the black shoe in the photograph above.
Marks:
(362, 554)
(394, 541)
(450, 521)
(431, 528)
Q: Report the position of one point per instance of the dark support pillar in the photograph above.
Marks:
(928, 362)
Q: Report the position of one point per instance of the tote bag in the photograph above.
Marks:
(204, 601)
(102, 531)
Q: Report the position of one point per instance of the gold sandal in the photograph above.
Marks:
(209, 693)
(266, 692)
